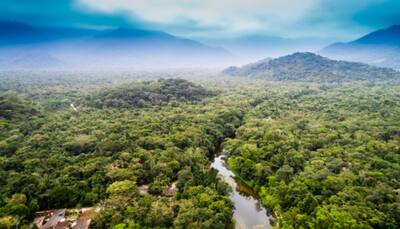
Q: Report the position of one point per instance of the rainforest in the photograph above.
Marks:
(317, 155)
(189, 114)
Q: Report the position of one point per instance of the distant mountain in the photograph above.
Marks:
(112, 48)
(381, 48)
(389, 36)
(253, 47)
(15, 33)
(311, 67)
(139, 39)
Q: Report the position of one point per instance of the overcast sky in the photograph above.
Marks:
(331, 19)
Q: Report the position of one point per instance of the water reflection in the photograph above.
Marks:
(249, 212)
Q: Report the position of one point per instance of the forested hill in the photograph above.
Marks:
(312, 68)
(317, 155)
(62, 158)
(14, 107)
(148, 93)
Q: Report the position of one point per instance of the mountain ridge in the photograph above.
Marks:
(307, 66)
(380, 48)
(386, 36)
(123, 47)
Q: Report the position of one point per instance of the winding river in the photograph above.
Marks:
(249, 212)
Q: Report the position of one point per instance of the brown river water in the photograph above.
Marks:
(249, 213)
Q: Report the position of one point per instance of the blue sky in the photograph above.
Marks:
(326, 19)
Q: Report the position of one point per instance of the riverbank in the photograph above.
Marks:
(274, 215)
(249, 211)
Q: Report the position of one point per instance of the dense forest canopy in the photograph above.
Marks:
(67, 158)
(328, 158)
(310, 67)
(12, 107)
(319, 155)
(148, 94)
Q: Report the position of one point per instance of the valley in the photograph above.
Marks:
(149, 114)
(315, 154)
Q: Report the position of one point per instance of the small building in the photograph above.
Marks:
(79, 218)
(82, 223)
(170, 191)
(143, 190)
(54, 220)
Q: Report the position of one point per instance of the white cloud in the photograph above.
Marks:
(231, 16)
(290, 18)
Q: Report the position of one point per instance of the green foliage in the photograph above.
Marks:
(309, 67)
(63, 158)
(122, 188)
(148, 93)
(203, 208)
(8, 222)
(324, 159)
(318, 155)
(14, 107)
(81, 144)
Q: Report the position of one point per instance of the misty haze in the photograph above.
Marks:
(258, 114)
